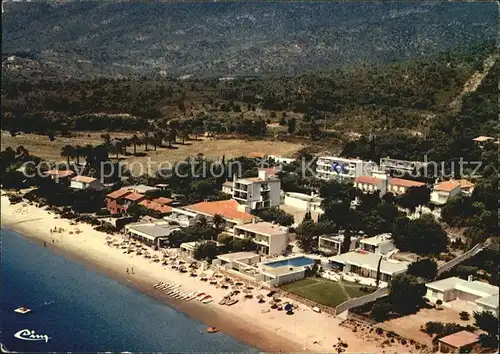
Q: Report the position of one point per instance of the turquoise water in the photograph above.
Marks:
(294, 262)
(84, 311)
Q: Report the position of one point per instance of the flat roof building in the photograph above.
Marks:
(483, 295)
(366, 263)
(151, 233)
(271, 239)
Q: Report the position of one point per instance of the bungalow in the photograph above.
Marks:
(115, 201)
(156, 207)
(443, 191)
(271, 239)
(85, 182)
(380, 244)
(152, 234)
(182, 217)
(369, 184)
(281, 159)
(163, 201)
(332, 244)
(60, 176)
(483, 295)
(304, 202)
(365, 264)
(400, 186)
(231, 211)
(459, 342)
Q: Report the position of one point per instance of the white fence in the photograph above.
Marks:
(359, 301)
(457, 260)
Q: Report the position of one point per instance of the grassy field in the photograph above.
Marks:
(323, 291)
(50, 150)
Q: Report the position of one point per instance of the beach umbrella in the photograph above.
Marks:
(108, 238)
(155, 256)
(246, 291)
(288, 307)
(276, 299)
(203, 275)
(260, 296)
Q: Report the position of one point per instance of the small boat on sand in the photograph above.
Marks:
(208, 300)
(212, 330)
(231, 302)
(224, 300)
(201, 298)
(316, 309)
(191, 297)
(200, 295)
(22, 310)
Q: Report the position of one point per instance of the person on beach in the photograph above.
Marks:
(44, 244)
(132, 270)
(127, 270)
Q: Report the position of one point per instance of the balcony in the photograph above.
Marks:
(261, 241)
(240, 187)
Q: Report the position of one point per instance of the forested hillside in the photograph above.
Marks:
(401, 95)
(235, 38)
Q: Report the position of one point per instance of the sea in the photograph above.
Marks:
(81, 310)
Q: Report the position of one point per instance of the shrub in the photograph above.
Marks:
(433, 327)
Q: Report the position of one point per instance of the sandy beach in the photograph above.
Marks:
(272, 331)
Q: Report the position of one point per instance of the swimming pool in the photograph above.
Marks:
(294, 262)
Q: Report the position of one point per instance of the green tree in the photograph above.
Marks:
(423, 235)
(292, 125)
(218, 222)
(425, 268)
(488, 322)
(68, 151)
(305, 235)
(406, 293)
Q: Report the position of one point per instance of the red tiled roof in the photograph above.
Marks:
(368, 180)
(447, 186)
(118, 193)
(460, 339)
(59, 173)
(163, 200)
(134, 196)
(164, 209)
(84, 179)
(256, 154)
(465, 183)
(405, 182)
(228, 209)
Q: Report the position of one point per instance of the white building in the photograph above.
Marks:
(182, 217)
(332, 245)
(365, 264)
(369, 184)
(271, 239)
(399, 186)
(151, 233)
(227, 187)
(403, 166)
(304, 202)
(142, 189)
(483, 295)
(257, 192)
(380, 244)
(342, 169)
(444, 191)
(85, 182)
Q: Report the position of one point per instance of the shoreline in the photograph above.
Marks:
(270, 331)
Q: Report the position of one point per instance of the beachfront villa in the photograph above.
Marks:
(398, 186)
(151, 233)
(248, 265)
(380, 244)
(458, 293)
(332, 244)
(271, 239)
(182, 217)
(86, 183)
(365, 264)
(258, 192)
(230, 210)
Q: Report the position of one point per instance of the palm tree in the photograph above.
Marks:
(68, 151)
(156, 140)
(79, 153)
(135, 140)
(202, 222)
(107, 138)
(125, 143)
(145, 140)
(116, 147)
(218, 222)
(170, 136)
